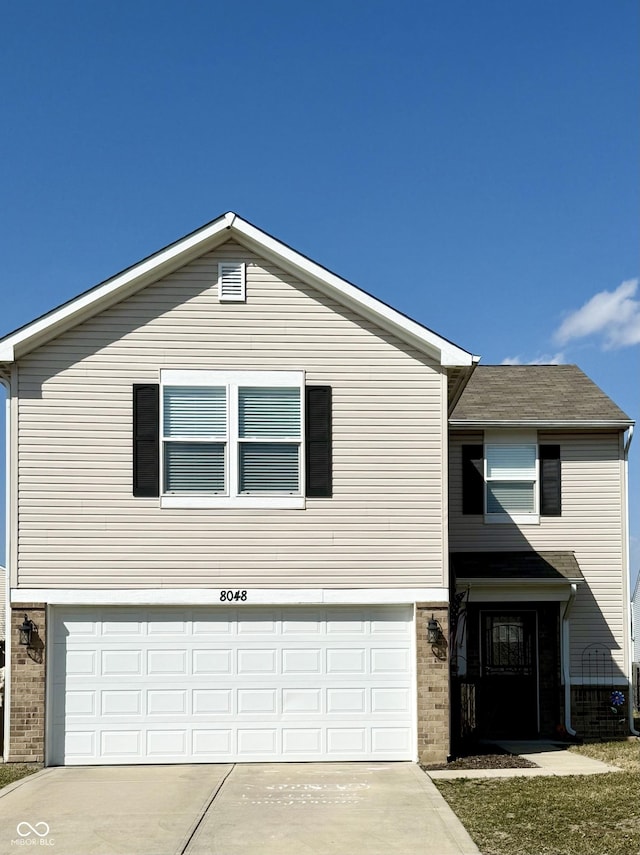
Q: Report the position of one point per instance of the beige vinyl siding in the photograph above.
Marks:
(79, 523)
(591, 525)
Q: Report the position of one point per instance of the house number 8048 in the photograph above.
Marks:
(233, 596)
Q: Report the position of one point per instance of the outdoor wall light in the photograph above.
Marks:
(433, 630)
(26, 630)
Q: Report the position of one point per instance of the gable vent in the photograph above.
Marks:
(231, 281)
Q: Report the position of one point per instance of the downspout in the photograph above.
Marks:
(566, 659)
(7, 632)
(632, 728)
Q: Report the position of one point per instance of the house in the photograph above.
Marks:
(538, 539)
(238, 480)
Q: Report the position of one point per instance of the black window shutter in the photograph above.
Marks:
(146, 439)
(472, 479)
(550, 481)
(318, 441)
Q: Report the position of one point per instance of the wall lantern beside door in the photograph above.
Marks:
(433, 630)
(26, 629)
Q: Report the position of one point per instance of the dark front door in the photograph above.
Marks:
(507, 705)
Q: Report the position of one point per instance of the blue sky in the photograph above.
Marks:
(473, 164)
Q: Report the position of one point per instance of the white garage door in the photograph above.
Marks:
(169, 685)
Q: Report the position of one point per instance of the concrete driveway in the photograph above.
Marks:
(248, 809)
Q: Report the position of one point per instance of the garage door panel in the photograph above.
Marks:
(212, 701)
(211, 662)
(299, 660)
(296, 701)
(80, 663)
(172, 686)
(121, 702)
(258, 660)
(118, 744)
(80, 703)
(210, 744)
(302, 740)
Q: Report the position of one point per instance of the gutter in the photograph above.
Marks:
(546, 424)
(627, 444)
(7, 643)
(566, 659)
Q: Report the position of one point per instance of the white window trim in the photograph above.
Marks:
(232, 380)
(515, 437)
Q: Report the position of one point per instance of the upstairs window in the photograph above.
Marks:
(232, 434)
(513, 481)
(232, 438)
(511, 476)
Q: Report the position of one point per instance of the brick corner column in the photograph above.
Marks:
(28, 669)
(433, 685)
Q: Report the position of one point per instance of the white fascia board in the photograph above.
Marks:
(448, 353)
(540, 423)
(525, 594)
(517, 590)
(211, 596)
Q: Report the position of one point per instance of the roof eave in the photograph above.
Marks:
(203, 240)
(542, 423)
(448, 353)
(112, 290)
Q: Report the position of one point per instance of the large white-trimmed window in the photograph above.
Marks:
(511, 477)
(232, 438)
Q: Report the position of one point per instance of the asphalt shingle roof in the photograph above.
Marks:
(534, 392)
(515, 565)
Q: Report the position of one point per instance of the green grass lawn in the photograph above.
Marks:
(11, 772)
(577, 815)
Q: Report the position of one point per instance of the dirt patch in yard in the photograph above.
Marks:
(484, 757)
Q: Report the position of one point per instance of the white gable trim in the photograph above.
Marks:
(120, 286)
(203, 240)
(348, 294)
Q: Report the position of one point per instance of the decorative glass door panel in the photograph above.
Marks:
(508, 691)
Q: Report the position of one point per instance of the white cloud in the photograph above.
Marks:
(615, 315)
(543, 359)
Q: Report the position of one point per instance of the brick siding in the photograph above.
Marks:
(592, 716)
(28, 669)
(433, 685)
